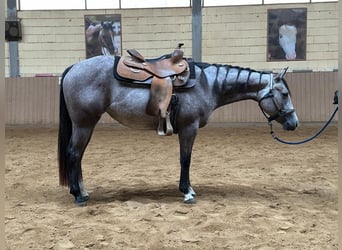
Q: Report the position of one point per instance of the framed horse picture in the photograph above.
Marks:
(103, 35)
(286, 34)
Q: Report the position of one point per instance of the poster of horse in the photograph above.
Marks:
(286, 34)
(102, 35)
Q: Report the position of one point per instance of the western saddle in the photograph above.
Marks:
(162, 74)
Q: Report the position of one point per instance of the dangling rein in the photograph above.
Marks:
(311, 137)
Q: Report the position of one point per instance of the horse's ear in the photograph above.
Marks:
(281, 74)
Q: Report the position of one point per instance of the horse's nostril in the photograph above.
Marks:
(294, 126)
(288, 125)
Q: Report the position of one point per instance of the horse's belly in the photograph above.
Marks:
(135, 122)
(130, 112)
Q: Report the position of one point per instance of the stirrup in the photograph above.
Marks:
(164, 126)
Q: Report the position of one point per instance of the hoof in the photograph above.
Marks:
(81, 201)
(189, 198)
(190, 201)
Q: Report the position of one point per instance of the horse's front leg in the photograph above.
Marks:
(186, 141)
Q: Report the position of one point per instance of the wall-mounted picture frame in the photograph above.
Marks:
(103, 35)
(286, 34)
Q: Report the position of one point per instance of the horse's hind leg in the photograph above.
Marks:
(77, 145)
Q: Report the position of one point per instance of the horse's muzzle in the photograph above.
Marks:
(290, 126)
(290, 122)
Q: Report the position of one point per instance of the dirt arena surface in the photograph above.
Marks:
(252, 192)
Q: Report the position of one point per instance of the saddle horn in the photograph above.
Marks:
(177, 54)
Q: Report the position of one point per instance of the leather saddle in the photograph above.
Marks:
(163, 74)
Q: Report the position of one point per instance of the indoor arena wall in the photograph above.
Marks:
(236, 35)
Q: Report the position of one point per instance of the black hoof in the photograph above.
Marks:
(81, 201)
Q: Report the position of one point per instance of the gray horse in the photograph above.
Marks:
(89, 89)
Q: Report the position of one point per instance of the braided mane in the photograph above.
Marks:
(203, 66)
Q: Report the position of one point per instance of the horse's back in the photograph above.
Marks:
(95, 65)
(93, 71)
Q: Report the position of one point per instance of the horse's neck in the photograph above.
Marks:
(237, 84)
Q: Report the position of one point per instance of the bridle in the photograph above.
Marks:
(284, 112)
(281, 112)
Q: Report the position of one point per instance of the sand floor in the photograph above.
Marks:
(252, 192)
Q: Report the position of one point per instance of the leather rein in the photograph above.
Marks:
(307, 139)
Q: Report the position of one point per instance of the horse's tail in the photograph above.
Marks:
(64, 135)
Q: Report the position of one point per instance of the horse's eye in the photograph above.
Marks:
(280, 36)
(285, 94)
